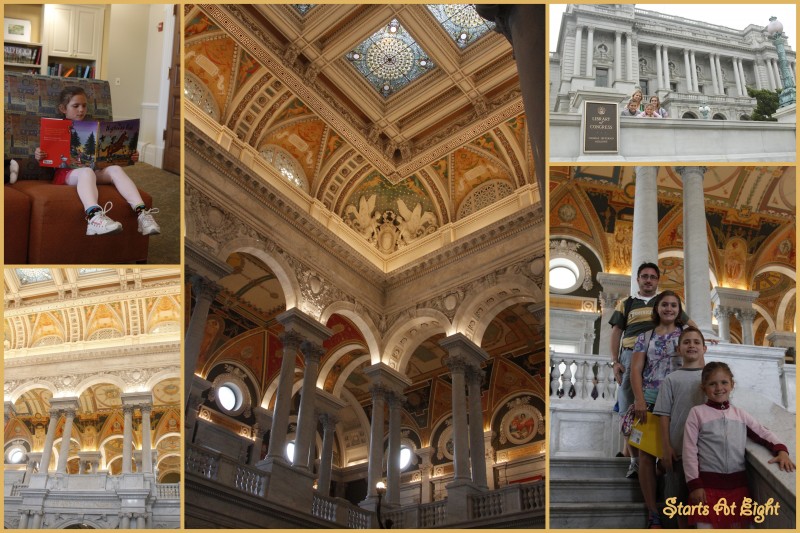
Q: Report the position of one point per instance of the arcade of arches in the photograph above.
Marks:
(92, 398)
(363, 309)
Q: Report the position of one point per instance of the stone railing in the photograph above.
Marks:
(168, 491)
(358, 518)
(223, 469)
(324, 507)
(16, 487)
(250, 480)
(422, 516)
(513, 498)
(341, 512)
(433, 514)
(202, 462)
(583, 377)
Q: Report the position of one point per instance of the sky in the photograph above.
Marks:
(735, 16)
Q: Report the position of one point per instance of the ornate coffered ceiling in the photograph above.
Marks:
(447, 139)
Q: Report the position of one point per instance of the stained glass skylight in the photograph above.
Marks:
(88, 271)
(461, 22)
(27, 276)
(390, 59)
(303, 8)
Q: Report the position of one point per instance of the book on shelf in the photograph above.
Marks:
(87, 143)
(21, 54)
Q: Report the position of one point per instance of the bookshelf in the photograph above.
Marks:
(22, 57)
(73, 34)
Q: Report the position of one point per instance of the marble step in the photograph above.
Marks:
(588, 468)
(593, 516)
(594, 490)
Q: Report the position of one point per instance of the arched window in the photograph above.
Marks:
(719, 116)
(689, 114)
(197, 93)
(286, 165)
(484, 195)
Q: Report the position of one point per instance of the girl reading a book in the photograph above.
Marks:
(714, 452)
(72, 105)
(654, 357)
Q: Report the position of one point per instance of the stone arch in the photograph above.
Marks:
(405, 336)
(586, 244)
(362, 321)
(331, 361)
(787, 299)
(719, 116)
(102, 448)
(272, 388)
(112, 379)
(689, 114)
(765, 314)
(347, 396)
(349, 369)
(282, 270)
(17, 393)
(160, 376)
(475, 314)
(166, 436)
(80, 521)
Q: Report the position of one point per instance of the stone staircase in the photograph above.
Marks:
(594, 493)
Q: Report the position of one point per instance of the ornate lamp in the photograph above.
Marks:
(775, 33)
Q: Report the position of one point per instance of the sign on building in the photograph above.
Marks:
(600, 128)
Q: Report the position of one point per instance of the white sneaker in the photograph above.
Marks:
(147, 225)
(100, 224)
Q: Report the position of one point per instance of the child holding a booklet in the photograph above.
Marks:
(73, 106)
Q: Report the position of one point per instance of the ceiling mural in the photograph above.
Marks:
(750, 217)
(364, 71)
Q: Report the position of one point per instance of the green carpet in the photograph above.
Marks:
(165, 188)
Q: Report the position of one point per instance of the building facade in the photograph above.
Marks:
(92, 398)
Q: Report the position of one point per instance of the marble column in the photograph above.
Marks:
(629, 55)
(37, 519)
(147, 440)
(290, 341)
(477, 452)
(723, 314)
(770, 75)
(306, 420)
(688, 70)
(125, 520)
(490, 458)
(666, 68)
(23, 519)
(720, 77)
(695, 249)
(737, 77)
(746, 317)
(127, 438)
(425, 471)
(617, 55)
(714, 82)
(576, 66)
(65, 441)
(644, 246)
(204, 290)
(756, 75)
(695, 85)
(659, 69)
(777, 71)
(375, 467)
(589, 52)
(614, 288)
(743, 77)
(393, 461)
(457, 368)
(326, 459)
(34, 459)
(47, 452)
(140, 520)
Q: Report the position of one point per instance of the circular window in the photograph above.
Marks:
(15, 454)
(405, 457)
(290, 451)
(228, 397)
(564, 275)
(231, 393)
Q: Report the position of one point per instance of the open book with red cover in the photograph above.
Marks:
(87, 143)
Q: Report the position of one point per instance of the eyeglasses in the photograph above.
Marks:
(648, 276)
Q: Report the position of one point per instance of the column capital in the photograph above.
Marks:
(474, 375)
(746, 314)
(395, 399)
(689, 170)
(312, 351)
(128, 409)
(291, 340)
(721, 312)
(457, 365)
(458, 345)
(329, 421)
(203, 287)
(308, 327)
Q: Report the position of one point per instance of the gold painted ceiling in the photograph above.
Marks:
(450, 143)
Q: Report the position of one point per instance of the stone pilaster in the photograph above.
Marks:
(127, 438)
(425, 471)
(576, 67)
(644, 246)
(589, 52)
(147, 439)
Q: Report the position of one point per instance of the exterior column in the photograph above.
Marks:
(127, 438)
(490, 458)
(659, 69)
(644, 245)
(617, 56)
(375, 468)
(23, 519)
(477, 452)
(61, 468)
(629, 54)
(140, 520)
(283, 396)
(720, 77)
(393, 462)
(425, 468)
(37, 519)
(714, 82)
(326, 460)
(688, 70)
(722, 314)
(47, 452)
(204, 291)
(745, 317)
(306, 421)
(666, 68)
(457, 368)
(695, 249)
(589, 52)
(576, 66)
(125, 522)
(147, 450)
(770, 76)
(777, 71)
(743, 77)
(756, 75)
(695, 84)
(737, 76)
